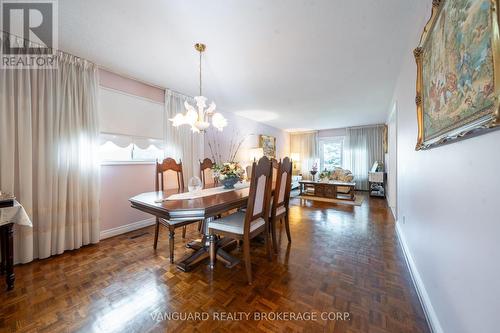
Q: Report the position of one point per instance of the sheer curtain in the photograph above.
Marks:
(363, 146)
(180, 142)
(306, 145)
(48, 154)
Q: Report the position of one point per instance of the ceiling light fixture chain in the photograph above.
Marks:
(199, 119)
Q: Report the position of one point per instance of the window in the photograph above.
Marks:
(330, 152)
(131, 128)
(123, 148)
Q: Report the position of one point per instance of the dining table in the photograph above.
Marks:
(180, 206)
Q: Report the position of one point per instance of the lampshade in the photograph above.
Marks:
(295, 157)
(255, 153)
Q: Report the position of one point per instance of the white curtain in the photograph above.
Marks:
(49, 139)
(363, 146)
(306, 145)
(180, 142)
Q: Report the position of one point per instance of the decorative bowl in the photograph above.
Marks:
(229, 182)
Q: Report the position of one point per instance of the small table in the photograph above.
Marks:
(329, 189)
(8, 217)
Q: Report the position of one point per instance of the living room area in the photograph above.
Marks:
(255, 166)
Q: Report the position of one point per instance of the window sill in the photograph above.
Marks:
(127, 163)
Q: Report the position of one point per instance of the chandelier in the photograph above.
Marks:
(199, 117)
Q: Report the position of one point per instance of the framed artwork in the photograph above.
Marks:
(458, 72)
(268, 145)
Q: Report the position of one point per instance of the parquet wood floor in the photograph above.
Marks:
(342, 258)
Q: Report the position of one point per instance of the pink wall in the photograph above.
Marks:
(118, 184)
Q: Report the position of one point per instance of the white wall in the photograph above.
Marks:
(448, 200)
(239, 128)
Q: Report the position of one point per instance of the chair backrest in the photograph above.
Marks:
(168, 164)
(206, 173)
(283, 185)
(276, 165)
(260, 192)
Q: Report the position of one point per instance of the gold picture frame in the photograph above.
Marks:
(470, 122)
(268, 145)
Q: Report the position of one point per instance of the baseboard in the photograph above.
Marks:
(126, 228)
(425, 301)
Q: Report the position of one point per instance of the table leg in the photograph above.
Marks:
(171, 239)
(197, 244)
(228, 260)
(9, 246)
(3, 249)
(203, 251)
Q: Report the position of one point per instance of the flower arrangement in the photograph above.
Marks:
(229, 173)
(326, 174)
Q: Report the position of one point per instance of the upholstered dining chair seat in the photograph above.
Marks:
(234, 223)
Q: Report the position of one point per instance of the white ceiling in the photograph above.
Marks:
(288, 63)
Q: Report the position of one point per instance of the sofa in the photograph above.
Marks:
(339, 175)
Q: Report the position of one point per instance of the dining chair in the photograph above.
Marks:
(281, 198)
(166, 166)
(247, 225)
(206, 173)
(207, 178)
(275, 164)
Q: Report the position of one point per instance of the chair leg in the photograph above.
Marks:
(171, 236)
(248, 263)
(157, 230)
(184, 232)
(267, 241)
(213, 254)
(287, 228)
(273, 234)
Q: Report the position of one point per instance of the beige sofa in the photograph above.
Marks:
(341, 175)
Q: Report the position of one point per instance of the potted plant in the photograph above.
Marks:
(229, 173)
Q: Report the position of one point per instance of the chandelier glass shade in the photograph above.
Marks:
(200, 117)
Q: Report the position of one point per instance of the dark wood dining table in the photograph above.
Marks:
(203, 208)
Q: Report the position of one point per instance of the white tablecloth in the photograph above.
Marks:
(15, 214)
(204, 193)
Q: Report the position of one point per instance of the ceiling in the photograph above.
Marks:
(287, 63)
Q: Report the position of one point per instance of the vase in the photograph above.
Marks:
(229, 182)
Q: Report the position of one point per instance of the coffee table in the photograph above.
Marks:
(328, 189)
